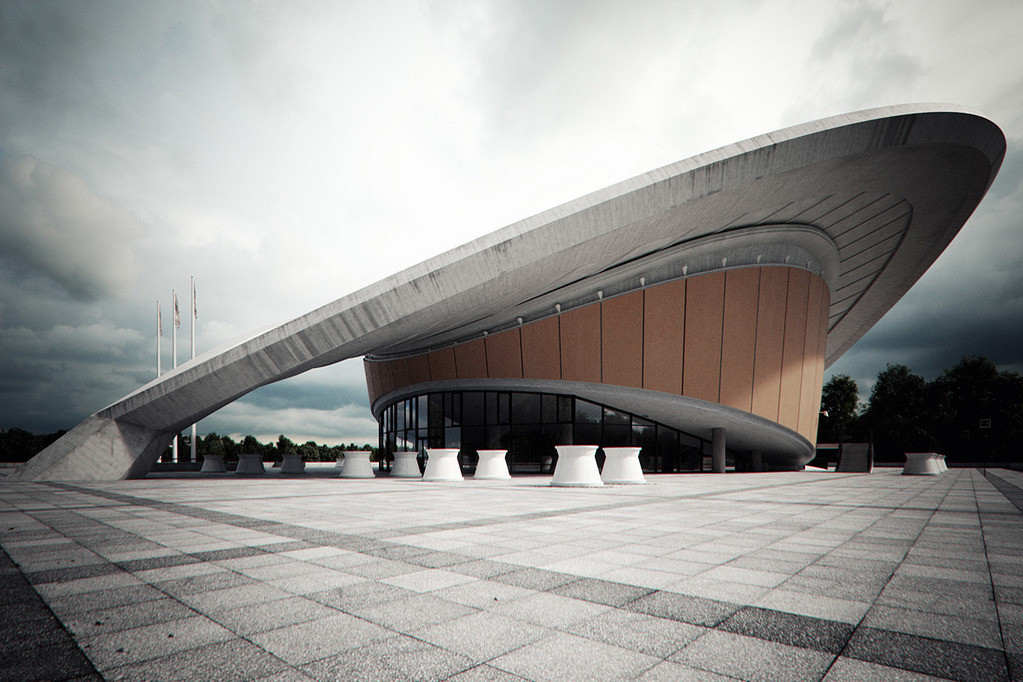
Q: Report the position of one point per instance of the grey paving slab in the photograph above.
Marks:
(482, 636)
(396, 658)
(905, 577)
(234, 660)
(749, 658)
(304, 642)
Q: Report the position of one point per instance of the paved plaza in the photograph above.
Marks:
(800, 576)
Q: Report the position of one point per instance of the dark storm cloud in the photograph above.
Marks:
(52, 224)
(303, 395)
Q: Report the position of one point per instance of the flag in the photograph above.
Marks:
(195, 312)
(177, 315)
(159, 319)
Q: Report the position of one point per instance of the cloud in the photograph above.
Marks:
(52, 224)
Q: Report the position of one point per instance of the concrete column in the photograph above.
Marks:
(717, 450)
(756, 460)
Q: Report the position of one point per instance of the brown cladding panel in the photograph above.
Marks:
(770, 339)
(541, 349)
(442, 364)
(738, 344)
(621, 330)
(664, 319)
(504, 355)
(418, 369)
(471, 359)
(372, 379)
(400, 369)
(701, 358)
(792, 350)
(809, 403)
(580, 344)
(386, 376)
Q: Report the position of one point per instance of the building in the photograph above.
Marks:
(708, 294)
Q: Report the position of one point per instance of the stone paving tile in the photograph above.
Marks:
(152, 641)
(126, 617)
(359, 594)
(412, 613)
(397, 658)
(749, 658)
(658, 637)
(926, 655)
(789, 628)
(548, 609)
(683, 608)
(312, 640)
(482, 636)
(232, 660)
(851, 670)
(564, 657)
(601, 591)
(269, 615)
(809, 554)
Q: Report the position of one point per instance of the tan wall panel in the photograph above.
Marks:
(701, 358)
(808, 402)
(541, 349)
(621, 331)
(580, 344)
(664, 320)
(738, 344)
(770, 336)
(471, 359)
(504, 355)
(792, 350)
(442, 364)
(418, 369)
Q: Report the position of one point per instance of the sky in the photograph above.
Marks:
(288, 153)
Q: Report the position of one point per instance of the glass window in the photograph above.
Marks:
(587, 413)
(422, 405)
(503, 409)
(453, 437)
(549, 409)
(498, 437)
(615, 417)
(525, 408)
(472, 408)
(564, 408)
(616, 435)
(491, 407)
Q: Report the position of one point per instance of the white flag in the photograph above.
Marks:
(177, 316)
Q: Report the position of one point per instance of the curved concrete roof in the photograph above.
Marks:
(870, 199)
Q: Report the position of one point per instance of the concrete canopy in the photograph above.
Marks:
(880, 193)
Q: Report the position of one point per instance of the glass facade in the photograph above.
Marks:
(528, 426)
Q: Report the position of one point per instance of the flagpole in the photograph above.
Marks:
(193, 357)
(159, 336)
(174, 352)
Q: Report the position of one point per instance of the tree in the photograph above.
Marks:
(900, 414)
(965, 394)
(840, 399)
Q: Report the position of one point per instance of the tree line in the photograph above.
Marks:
(19, 445)
(972, 413)
(214, 444)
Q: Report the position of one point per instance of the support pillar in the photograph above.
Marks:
(756, 460)
(717, 450)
